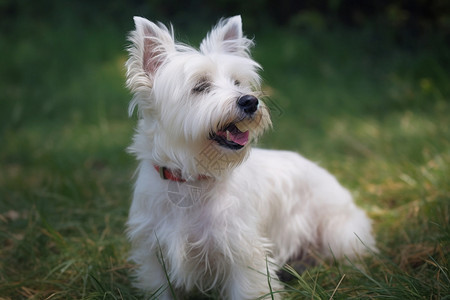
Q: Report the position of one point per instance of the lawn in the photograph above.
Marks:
(372, 111)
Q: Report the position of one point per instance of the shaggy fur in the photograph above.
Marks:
(235, 214)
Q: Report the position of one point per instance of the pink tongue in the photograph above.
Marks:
(240, 138)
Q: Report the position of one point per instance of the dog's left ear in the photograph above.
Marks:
(227, 37)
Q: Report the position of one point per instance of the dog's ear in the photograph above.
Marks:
(227, 37)
(151, 43)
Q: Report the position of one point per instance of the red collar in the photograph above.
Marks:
(167, 174)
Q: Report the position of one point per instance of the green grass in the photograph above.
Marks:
(373, 113)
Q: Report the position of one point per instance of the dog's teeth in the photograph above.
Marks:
(228, 135)
(242, 126)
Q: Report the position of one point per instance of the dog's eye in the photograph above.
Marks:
(202, 86)
(237, 83)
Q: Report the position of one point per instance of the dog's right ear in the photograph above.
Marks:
(150, 45)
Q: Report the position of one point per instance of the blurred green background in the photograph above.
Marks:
(362, 87)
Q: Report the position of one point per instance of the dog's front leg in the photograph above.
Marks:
(152, 276)
(253, 282)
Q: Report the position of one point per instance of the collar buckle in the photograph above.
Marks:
(162, 171)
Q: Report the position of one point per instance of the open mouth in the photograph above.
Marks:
(231, 137)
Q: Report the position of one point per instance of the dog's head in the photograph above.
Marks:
(199, 109)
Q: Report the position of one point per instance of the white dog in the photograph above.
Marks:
(208, 211)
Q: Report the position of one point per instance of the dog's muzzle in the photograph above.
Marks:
(236, 135)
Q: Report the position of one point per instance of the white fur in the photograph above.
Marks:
(256, 210)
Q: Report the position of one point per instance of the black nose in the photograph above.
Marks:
(248, 103)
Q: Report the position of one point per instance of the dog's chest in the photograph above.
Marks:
(209, 230)
(206, 246)
(205, 232)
